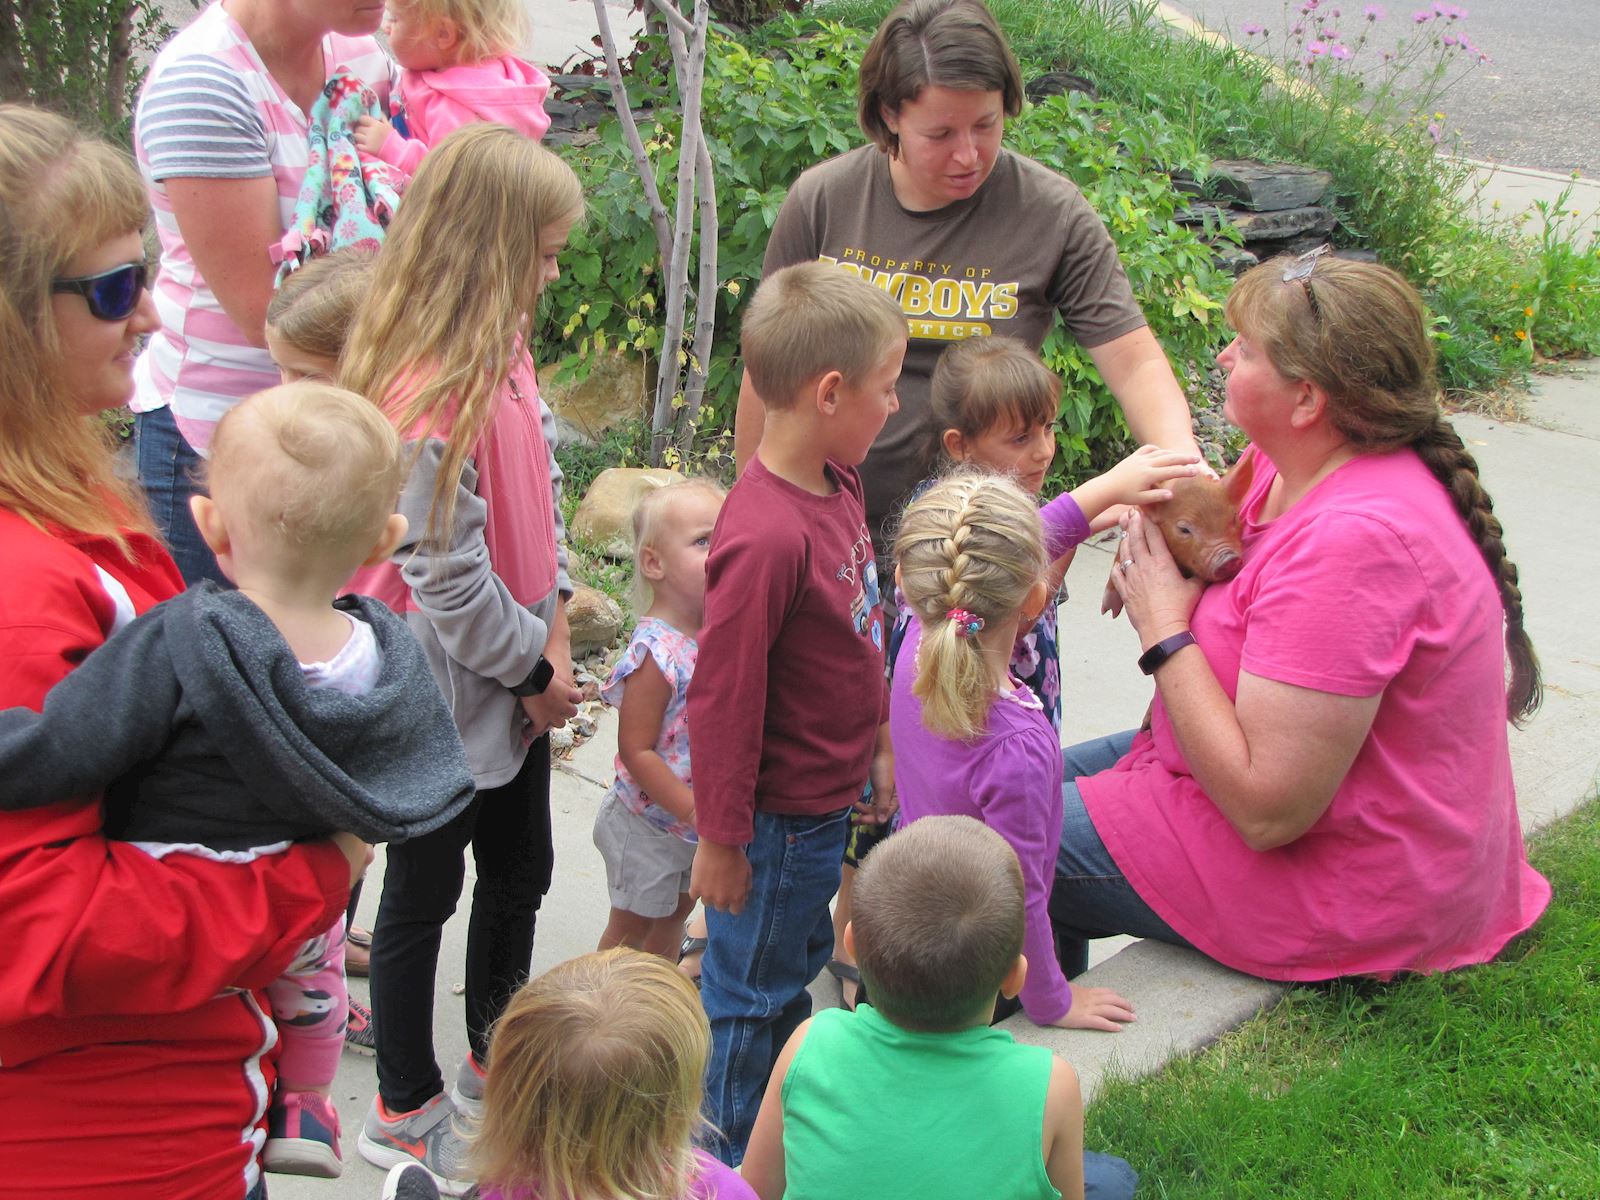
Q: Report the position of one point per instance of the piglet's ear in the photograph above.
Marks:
(1237, 481)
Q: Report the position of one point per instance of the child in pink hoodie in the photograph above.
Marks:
(456, 68)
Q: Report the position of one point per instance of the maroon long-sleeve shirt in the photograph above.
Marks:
(788, 692)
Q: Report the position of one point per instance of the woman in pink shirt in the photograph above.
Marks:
(1325, 787)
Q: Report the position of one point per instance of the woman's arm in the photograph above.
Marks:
(749, 419)
(229, 226)
(95, 927)
(1272, 760)
(1136, 370)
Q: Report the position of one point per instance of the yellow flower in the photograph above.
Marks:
(1522, 335)
(1527, 312)
(733, 287)
(1497, 337)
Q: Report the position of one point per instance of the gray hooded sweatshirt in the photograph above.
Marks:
(197, 723)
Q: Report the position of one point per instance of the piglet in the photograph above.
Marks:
(1201, 525)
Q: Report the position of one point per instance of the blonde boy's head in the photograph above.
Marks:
(810, 319)
(484, 28)
(938, 922)
(311, 470)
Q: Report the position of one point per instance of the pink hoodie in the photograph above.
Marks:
(434, 103)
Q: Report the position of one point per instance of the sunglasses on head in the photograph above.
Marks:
(111, 295)
(1299, 271)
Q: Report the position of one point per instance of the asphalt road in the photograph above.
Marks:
(1536, 103)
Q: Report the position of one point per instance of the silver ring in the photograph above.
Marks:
(1126, 563)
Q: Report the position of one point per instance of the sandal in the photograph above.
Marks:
(357, 952)
(848, 973)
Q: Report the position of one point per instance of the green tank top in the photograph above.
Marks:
(870, 1109)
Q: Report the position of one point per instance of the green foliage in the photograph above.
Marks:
(77, 56)
(1479, 1082)
(784, 100)
(1371, 120)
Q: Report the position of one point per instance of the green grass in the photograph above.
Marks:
(1480, 1082)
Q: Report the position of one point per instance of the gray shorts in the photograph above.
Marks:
(647, 869)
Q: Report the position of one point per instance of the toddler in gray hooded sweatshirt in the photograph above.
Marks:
(233, 723)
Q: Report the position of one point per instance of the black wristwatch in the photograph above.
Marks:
(1152, 658)
(538, 679)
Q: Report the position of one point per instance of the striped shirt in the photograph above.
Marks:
(210, 110)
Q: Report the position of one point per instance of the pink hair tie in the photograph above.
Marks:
(967, 625)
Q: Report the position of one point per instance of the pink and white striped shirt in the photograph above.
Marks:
(209, 109)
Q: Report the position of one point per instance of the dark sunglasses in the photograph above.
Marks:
(1300, 271)
(111, 295)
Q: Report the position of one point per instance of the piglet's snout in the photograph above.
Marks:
(1225, 564)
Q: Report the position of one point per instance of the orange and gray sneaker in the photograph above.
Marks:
(427, 1135)
(467, 1094)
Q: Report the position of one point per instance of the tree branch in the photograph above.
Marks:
(630, 129)
(705, 301)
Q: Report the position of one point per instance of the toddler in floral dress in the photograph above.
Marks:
(645, 828)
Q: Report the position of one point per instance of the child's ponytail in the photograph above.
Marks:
(969, 551)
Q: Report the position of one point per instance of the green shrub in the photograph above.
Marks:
(77, 57)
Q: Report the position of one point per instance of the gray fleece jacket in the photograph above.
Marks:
(197, 722)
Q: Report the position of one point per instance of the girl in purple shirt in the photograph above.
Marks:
(968, 738)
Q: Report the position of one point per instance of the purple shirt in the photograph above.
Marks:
(712, 1181)
(1009, 778)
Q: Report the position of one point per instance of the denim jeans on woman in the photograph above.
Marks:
(759, 961)
(1091, 898)
(169, 474)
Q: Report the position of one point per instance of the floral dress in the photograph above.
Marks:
(674, 653)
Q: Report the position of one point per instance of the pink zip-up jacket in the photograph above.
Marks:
(434, 103)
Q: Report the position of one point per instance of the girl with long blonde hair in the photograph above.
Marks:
(441, 347)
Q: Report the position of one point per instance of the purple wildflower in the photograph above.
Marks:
(1341, 52)
(1334, 13)
(1250, 29)
(1450, 39)
(1436, 132)
(1298, 30)
(1374, 12)
(1316, 49)
(1422, 18)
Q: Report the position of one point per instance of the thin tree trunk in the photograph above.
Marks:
(630, 129)
(705, 301)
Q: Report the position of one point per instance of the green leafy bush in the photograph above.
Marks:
(78, 56)
(784, 100)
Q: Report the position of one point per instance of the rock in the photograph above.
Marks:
(612, 392)
(1234, 259)
(1056, 83)
(594, 618)
(605, 514)
(1284, 223)
(1268, 187)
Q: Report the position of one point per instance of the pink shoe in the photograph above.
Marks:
(303, 1136)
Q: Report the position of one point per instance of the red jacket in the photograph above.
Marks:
(122, 959)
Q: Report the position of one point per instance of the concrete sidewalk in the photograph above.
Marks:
(1541, 474)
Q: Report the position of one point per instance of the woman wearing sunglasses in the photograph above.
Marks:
(221, 137)
(1325, 785)
(131, 1066)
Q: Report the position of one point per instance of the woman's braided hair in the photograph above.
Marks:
(972, 542)
(1359, 331)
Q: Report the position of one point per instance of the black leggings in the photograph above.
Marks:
(508, 828)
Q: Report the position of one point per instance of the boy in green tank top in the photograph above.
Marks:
(914, 1094)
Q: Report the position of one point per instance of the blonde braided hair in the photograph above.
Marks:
(972, 544)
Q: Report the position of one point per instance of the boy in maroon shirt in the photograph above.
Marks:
(788, 706)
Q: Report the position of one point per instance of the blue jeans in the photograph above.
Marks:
(755, 971)
(1091, 898)
(1107, 1177)
(168, 473)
